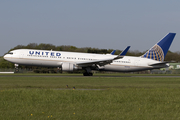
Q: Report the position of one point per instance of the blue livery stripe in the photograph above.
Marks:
(159, 50)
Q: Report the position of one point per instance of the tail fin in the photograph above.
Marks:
(159, 50)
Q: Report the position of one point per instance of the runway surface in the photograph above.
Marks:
(170, 76)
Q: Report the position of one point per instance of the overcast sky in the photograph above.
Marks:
(104, 24)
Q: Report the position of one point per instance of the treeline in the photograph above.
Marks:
(43, 46)
(171, 56)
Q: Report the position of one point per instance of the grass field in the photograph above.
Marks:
(94, 98)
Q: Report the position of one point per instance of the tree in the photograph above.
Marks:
(5, 64)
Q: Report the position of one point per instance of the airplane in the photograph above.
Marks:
(71, 61)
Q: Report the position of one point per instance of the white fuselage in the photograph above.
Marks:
(56, 58)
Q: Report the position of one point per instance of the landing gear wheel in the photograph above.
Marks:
(88, 74)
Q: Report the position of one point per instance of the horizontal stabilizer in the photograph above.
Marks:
(161, 64)
(157, 64)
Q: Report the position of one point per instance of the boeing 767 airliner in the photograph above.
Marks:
(70, 61)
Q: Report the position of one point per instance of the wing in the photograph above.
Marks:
(103, 62)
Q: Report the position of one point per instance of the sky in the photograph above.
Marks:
(103, 24)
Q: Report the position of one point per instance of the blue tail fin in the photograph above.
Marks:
(159, 50)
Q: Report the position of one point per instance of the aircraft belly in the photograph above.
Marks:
(36, 62)
(124, 68)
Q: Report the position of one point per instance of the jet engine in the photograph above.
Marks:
(68, 67)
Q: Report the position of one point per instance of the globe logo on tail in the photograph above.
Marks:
(155, 53)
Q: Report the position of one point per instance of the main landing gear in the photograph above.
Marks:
(88, 72)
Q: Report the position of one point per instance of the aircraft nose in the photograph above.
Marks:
(5, 57)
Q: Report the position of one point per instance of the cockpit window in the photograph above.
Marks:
(11, 53)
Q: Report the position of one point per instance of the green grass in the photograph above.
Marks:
(33, 98)
(81, 74)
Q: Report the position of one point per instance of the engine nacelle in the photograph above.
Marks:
(68, 67)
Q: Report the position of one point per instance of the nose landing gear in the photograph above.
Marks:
(16, 68)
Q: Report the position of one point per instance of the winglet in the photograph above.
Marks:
(123, 53)
(112, 53)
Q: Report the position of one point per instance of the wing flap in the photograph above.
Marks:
(98, 62)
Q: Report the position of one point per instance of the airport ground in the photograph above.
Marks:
(103, 96)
